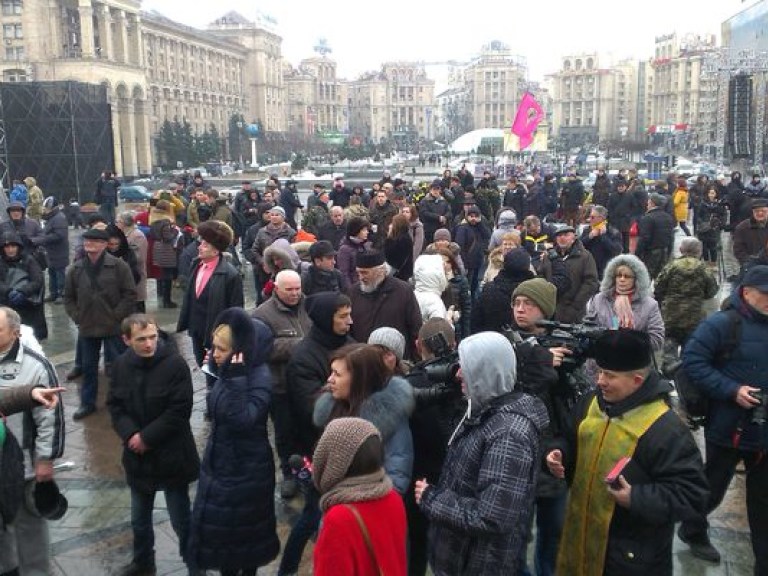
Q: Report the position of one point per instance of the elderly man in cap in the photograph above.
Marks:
(736, 383)
(99, 292)
(322, 275)
(581, 271)
(621, 512)
(214, 285)
(24, 542)
(655, 235)
(335, 228)
(434, 211)
(751, 235)
(381, 300)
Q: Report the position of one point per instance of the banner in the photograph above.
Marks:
(528, 116)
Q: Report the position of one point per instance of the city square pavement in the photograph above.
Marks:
(94, 537)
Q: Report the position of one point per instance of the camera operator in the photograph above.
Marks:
(439, 408)
(537, 373)
(737, 388)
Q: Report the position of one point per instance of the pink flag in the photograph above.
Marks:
(528, 116)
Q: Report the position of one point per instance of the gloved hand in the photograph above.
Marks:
(16, 298)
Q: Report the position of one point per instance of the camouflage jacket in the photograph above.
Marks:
(680, 289)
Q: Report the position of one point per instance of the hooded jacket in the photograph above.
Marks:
(480, 510)
(389, 410)
(233, 517)
(35, 198)
(644, 308)
(507, 221)
(56, 238)
(430, 283)
(308, 367)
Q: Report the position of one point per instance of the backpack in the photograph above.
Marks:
(693, 400)
(11, 477)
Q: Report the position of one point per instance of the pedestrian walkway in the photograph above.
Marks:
(94, 537)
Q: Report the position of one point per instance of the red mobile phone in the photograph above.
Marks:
(612, 478)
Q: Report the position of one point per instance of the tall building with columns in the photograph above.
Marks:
(153, 68)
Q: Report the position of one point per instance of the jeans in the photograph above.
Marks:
(142, 505)
(719, 469)
(302, 531)
(90, 348)
(285, 430)
(25, 544)
(107, 209)
(56, 282)
(549, 514)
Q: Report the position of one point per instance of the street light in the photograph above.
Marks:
(240, 142)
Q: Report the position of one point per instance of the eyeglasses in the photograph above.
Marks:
(623, 275)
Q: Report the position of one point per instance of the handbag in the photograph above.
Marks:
(366, 537)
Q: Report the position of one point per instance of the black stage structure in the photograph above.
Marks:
(58, 132)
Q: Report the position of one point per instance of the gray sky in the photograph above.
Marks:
(363, 35)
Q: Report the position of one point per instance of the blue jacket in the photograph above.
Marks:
(19, 194)
(748, 364)
(233, 519)
(389, 410)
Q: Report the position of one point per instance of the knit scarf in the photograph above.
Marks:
(357, 489)
(599, 226)
(622, 307)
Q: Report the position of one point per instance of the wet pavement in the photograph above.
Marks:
(94, 537)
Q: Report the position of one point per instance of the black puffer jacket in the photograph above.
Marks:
(493, 309)
(153, 396)
(656, 231)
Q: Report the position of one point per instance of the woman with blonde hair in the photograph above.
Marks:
(509, 241)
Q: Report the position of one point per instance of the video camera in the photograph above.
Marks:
(441, 371)
(579, 338)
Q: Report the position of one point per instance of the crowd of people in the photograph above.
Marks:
(445, 367)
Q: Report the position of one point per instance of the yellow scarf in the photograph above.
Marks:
(602, 441)
(600, 225)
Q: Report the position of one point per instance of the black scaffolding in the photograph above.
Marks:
(58, 132)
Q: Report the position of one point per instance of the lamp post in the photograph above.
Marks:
(253, 133)
(240, 142)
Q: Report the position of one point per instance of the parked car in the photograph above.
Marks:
(134, 194)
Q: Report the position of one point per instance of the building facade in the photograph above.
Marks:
(494, 83)
(154, 69)
(315, 98)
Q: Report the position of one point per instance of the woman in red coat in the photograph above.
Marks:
(363, 530)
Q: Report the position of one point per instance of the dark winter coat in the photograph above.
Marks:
(392, 304)
(233, 517)
(473, 241)
(347, 257)
(399, 255)
(306, 374)
(333, 233)
(56, 238)
(389, 410)
(603, 247)
(582, 283)
(265, 237)
(656, 231)
(430, 211)
(164, 232)
(470, 535)
(601, 191)
(621, 209)
(711, 218)
(29, 230)
(313, 280)
(98, 306)
(288, 325)
(457, 294)
(493, 309)
(153, 397)
(289, 201)
(224, 290)
(747, 364)
(381, 218)
(749, 238)
(23, 273)
(668, 485)
(573, 194)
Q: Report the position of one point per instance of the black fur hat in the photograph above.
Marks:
(623, 350)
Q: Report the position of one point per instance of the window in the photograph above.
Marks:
(14, 76)
(14, 53)
(11, 7)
